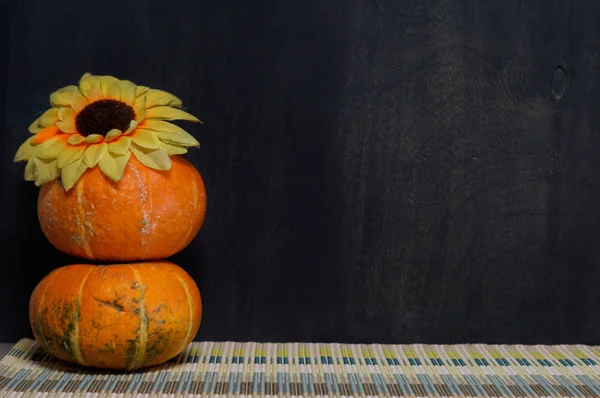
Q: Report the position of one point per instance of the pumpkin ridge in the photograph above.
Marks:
(41, 313)
(191, 221)
(191, 309)
(81, 237)
(75, 336)
(148, 214)
(141, 341)
(143, 189)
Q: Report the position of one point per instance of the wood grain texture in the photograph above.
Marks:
(391, 171)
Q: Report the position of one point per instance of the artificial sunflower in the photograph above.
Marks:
(101, 122)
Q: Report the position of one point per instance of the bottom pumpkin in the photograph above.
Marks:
(122, 316)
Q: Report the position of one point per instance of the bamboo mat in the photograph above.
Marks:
(299, 369)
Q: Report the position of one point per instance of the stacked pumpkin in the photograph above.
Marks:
(114, 189)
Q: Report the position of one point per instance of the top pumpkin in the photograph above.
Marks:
(100, 123)
(149, 206)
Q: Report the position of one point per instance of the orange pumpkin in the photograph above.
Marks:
(125, 316)
(149, 214)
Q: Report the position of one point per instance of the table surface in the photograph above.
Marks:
(313, 369)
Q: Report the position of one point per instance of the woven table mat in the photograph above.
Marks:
(299, 369)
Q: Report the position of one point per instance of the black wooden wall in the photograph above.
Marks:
(385, 170)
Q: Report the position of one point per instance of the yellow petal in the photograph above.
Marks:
(140, 109)
(181, 138)
(132, 125)
(161, 98)
(67, 123)
(113, 166)
(69, 155)
(154, 158)
(112, 135)
(30, 170)
(35, 126)
(67, 126)
(76, 139)
(168, 113)
(146, 139)
(25, 151)
(85, 83)
(45, 171)
(141, 90)
(95, 93)
(94, 153)
(113, 91)
(49, 117)
(121, 146)
(170, 133)
(77, 101)
(94, 138)
(71, 173)
(128, 91)
(173, 149)
(105, 83)
(45, 134)
(62, 96)
(66, 113)
(51, 148)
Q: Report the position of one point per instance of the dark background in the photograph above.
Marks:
(377, 171)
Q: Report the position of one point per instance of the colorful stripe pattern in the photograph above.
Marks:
(302, 369)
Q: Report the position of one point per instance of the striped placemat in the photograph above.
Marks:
(300, 369)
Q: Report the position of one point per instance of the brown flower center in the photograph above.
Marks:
(102, 116)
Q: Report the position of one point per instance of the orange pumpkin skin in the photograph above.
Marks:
(124, 317)
(148, 215)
